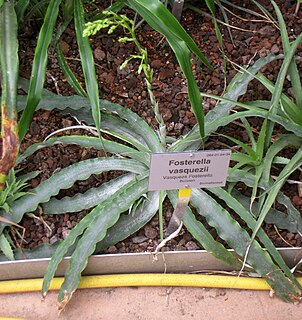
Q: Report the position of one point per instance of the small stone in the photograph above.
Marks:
(166, 73)
(34, 183)
(156, 64)
(267, 31)
(290, 236)
(275, 49)
(190, 245)
(263, 52)
(139, 239)
(50, 162)
(170, 126)
(178, 126)
(166, 114)
(64, 46)
(143, 245)
(99, 54)
(176, 81)
(245, 59)
(53, 239)
(66, 123)
(293, 242)
(297, 201)
(215, 80)
(112, 249)
(180, 248)
(65, 232)
(131, 83)
(150, 232)
(45, 240)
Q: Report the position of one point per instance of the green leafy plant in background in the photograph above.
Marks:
(282, 110)
(129, 151)
(13, 189)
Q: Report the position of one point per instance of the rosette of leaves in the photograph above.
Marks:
(107, 223)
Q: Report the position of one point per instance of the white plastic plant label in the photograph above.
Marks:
(198, 169)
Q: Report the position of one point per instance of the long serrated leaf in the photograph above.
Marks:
(230, 230)
(39, 66)
(287, 124)
(276, 217)
(249, 179)
(130, 223)
(203, 236)
(282, 142)
(111, 123)
(106, 215)
(88, 199)
(65, 179)
(129, 124)
(289, 108)
(237, 88)
(88, 142)
(251, 222)
(192, 142)
(103, 209)
(87, 63)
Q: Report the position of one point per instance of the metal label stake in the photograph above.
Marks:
(179, 211)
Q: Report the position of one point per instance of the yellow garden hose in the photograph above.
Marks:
(142, 280)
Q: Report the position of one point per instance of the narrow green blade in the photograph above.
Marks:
(39, 66)
(87, 63)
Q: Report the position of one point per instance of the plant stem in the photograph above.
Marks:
(149, 76)
(160, 215)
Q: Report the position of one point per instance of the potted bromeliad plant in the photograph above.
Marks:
(130, 141)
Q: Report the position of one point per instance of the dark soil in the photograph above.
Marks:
(127, 88)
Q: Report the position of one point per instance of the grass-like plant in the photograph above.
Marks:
(106, 224)
(130, 149)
